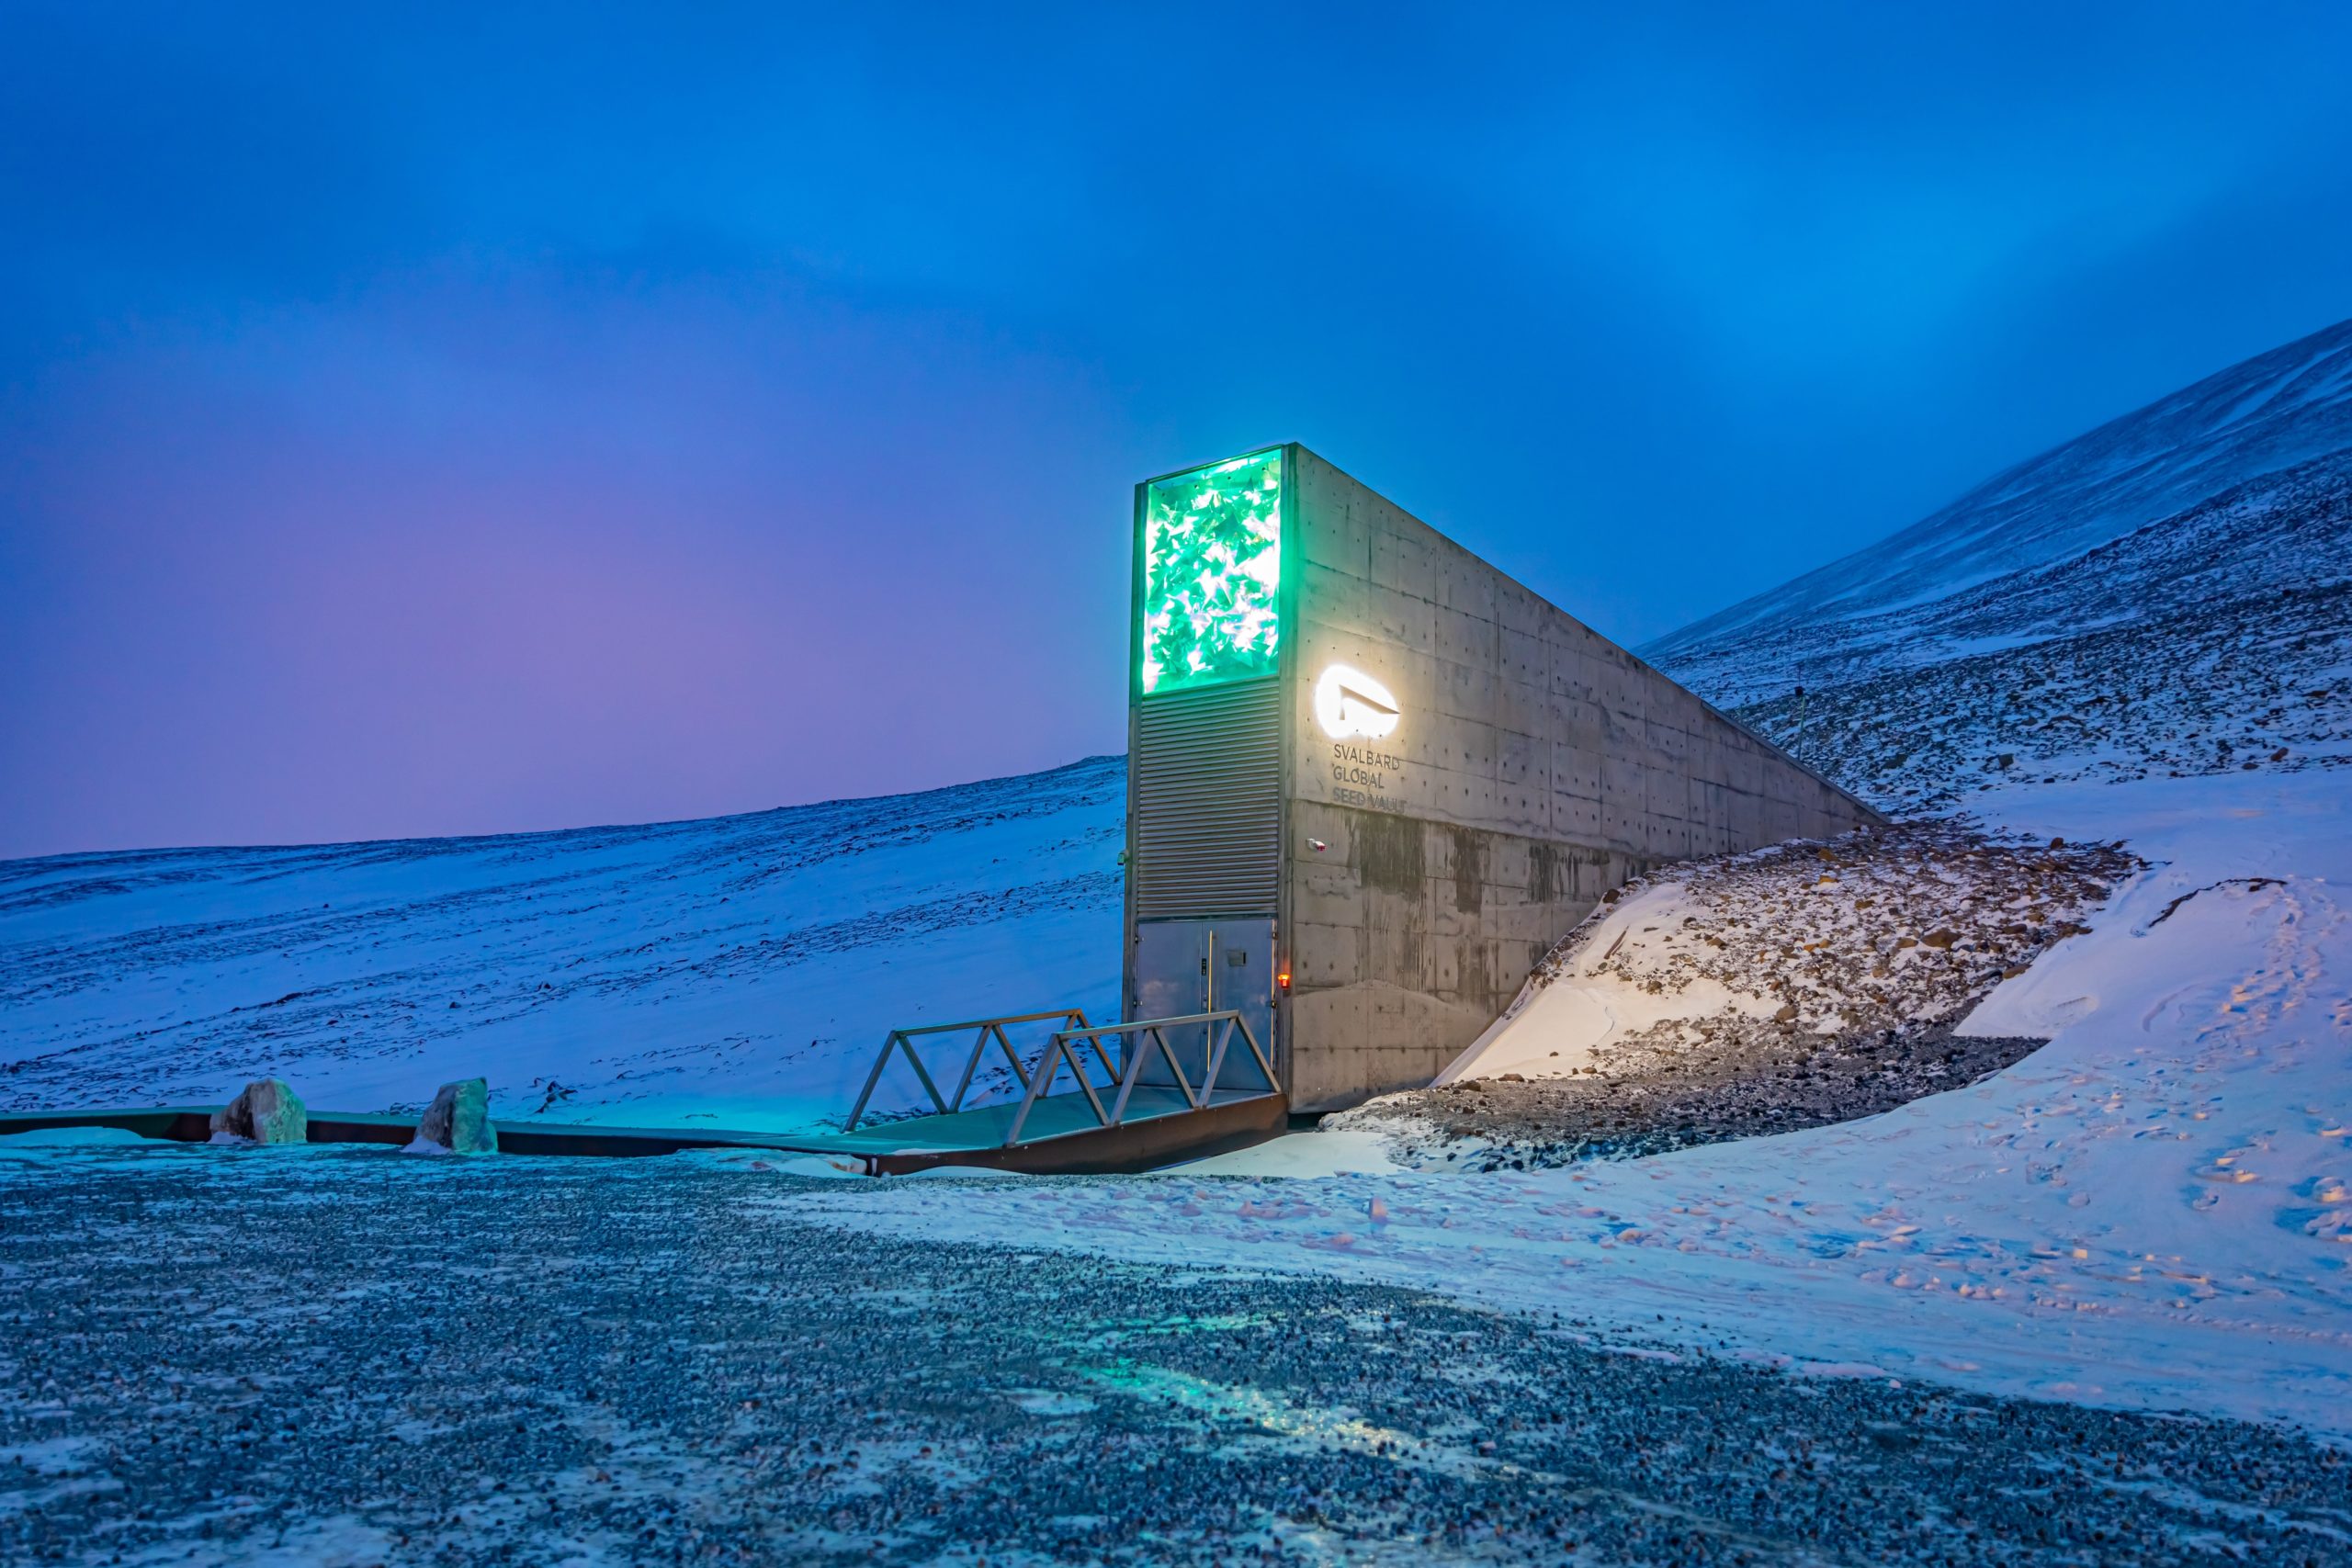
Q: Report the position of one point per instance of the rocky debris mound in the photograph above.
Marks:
(1805, 983)
(265, 1111)
(458, 1121)
(1744, 1080)
(1879, 929)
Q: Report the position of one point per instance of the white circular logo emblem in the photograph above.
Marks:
(1349, 703)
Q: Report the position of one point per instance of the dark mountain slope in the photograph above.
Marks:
(2270, 413)
(2045, 627)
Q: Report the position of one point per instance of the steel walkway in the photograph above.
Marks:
(1144, 1110)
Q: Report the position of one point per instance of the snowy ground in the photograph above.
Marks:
(2154, 1211)
(341, 1357)
(740, 971)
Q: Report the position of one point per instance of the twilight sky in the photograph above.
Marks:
(471, 423)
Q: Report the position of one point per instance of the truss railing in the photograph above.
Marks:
(1153, 1031)
(1138, 1043)
(984, 1029)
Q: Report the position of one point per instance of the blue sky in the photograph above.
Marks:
(418, 422)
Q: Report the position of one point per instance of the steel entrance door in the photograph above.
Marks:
(1188, 966)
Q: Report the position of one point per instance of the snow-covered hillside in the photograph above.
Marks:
(741, 970)
(2264, 415)
(2215, 636)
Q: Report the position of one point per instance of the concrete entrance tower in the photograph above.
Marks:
(1373, 780)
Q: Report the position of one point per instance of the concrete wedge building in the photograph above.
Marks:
(1373, 780)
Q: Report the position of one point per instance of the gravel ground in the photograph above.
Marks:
(1739, 1082)
(346, 1356)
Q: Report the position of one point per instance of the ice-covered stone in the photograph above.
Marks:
(458, 1121)
(265, 1111)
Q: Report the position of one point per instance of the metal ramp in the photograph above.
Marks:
(1130, 1104)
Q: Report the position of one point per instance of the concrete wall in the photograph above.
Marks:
(1535, 766)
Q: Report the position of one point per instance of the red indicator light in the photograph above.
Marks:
(1282, 979)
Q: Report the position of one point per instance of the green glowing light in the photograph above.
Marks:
(1212, 563)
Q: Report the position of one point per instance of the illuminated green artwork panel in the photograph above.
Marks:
(1212, 566)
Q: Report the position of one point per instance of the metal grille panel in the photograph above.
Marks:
(1207, 783)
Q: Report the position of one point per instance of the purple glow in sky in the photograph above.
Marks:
(452, 424)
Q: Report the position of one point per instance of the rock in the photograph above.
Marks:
(1939, 939)
(265, 1111)
(1787, 1013)
(458, 1121)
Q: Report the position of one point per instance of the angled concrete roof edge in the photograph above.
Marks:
(1877, 817)
(1871, 813)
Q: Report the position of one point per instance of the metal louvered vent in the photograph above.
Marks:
(1207, 780)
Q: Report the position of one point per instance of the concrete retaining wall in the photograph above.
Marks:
(1535, 765)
